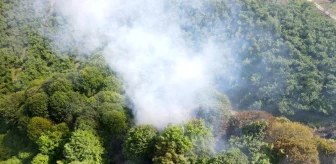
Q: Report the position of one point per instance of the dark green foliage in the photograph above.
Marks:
(37, 105)
(114, 122)
(59, 103)
(230, 156)
(255, 129)
(16, 145)
(11, 107)
(139, 143)
(57, 83)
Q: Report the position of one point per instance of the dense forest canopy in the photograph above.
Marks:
(63, 100)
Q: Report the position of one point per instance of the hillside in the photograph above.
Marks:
(195, 81)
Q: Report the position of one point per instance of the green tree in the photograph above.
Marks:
(37, 105)
(230, 156)
(40, 159)
(89, 81)
(51, 142)
(59, 103)
(83, 145)
(257, 150)
(171, 145)
(37, 126)
(115, 122)
(201, 137)
(139, 143)
(57, 83)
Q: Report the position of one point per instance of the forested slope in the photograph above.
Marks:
(60, 105)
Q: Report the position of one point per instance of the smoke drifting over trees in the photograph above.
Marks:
(143, 41)
(144, 81)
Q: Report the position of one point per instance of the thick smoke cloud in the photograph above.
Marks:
(144, 44)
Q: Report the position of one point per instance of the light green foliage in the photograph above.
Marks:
(37, 126)
(139, 143)
(13, 160)
(40, 159)
(83, 145)
(201, 137)
(256, 149)
(171, 145)
(51, 142)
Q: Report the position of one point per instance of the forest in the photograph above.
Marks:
(60, 105)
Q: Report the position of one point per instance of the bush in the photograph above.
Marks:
(296, 151)
(291, 130)
(241, 119)
(40, 159)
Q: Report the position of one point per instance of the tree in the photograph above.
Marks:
(11, 107)
(40, 159)
(257, 150)
(37, 126)
(296, 151)
(108, 97)
(51, 142)
(292, 130)
(56, 83)
(139, 143)
(171, 145)
(37, 105)
(115, 122)
(89, 81)
(59, 103)
(201, 137)
(214, 108)
(230, 156)
(83, 145)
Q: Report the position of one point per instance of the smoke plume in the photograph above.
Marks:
(145, 44)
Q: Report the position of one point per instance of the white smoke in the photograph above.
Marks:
(146, 46)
